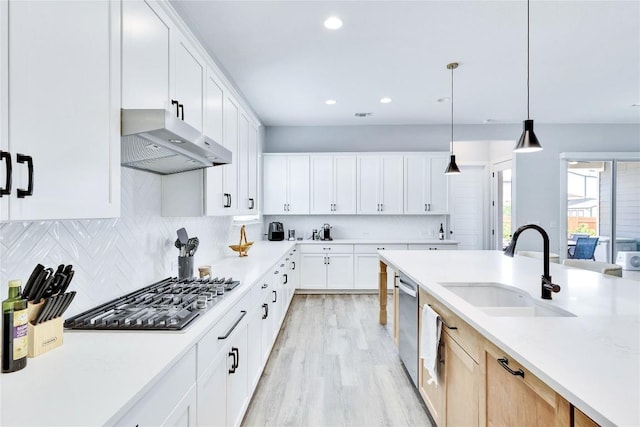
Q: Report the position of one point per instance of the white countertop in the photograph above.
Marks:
(398, 241)
(592, 360)
(96, 377)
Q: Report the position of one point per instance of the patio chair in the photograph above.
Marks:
(585, 248)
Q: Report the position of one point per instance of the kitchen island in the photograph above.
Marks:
(591, 359)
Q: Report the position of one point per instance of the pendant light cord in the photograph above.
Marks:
(452, 68)
(528, 60)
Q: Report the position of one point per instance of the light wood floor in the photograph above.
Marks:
(334, 365)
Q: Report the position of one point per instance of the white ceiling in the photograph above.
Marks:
(585, 59)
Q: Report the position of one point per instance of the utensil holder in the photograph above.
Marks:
(44, 336)
(185, 267)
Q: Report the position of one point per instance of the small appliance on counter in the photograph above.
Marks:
(292, 234)
(276, 231)
(326, 232)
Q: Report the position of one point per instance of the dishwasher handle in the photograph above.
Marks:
(407, 290)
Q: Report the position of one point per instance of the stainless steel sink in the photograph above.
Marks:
(497, 299)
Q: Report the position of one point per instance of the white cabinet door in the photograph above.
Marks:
(322, 184)
(145, 56)
(213, 124)
(275, 185)
(188, 77)
(368, 185)
(237, 369)
(416, 184)
(340, 271)
(438, 184)
(344, 182)
(366, 268)
(243, 164)
(267, 325)
(212, 398)
(64, 109)
(254, 349)
(391, 198)
(298, 183)
(313, 273)
(184, 414)
(230, 171)
(252, 165)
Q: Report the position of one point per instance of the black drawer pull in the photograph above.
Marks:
(233, 364)
(265, 286)
(21, 158)
(7, 186)
(266, 311)
(275, 296)
(225, 336)
(504, 362)
(286, 279)
(294, 265)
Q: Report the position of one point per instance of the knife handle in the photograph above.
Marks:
(67, 282)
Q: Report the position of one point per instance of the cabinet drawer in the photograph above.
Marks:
(374, 248)
(464, 335)
(328, 248)
(209, 346)
(434, 247)
(155, 406)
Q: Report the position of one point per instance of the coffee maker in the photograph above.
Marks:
(325, 233)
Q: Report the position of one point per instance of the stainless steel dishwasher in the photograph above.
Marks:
(408, 325)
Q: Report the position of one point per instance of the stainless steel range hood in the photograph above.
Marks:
(157, 141)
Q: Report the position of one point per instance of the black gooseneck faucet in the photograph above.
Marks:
(547, 285)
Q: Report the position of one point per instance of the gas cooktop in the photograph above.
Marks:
(170, 304)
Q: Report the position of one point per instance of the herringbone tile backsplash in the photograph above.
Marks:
(113, 256)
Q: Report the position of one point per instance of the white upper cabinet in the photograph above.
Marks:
(160, 68)
(231, 142)
(243, 163)
(146, 41)
(333, 184)
(286, 184)
(379, 184)
(253, 167)
(425, 184)
(188, 79)
(60, 109)
(213, 122)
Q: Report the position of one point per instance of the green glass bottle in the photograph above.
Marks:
(14, 329)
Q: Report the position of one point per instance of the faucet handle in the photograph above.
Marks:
(549, 286)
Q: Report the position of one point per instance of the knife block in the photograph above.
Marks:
(44, 336)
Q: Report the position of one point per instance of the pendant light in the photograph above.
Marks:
(528, 142)
(452, 167)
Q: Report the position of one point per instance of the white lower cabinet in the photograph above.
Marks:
(171, 400)
(326, 266)
(367, 265)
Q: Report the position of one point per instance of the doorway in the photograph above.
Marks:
(501, 205)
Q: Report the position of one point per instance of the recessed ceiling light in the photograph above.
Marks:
(487, 121)
(333, 23)
(363, 114)
(330, 101)
(637, 104)
(176, 141)
(445, 99)
(385, 100)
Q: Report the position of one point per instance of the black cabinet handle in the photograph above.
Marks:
(233, 365)
(7, 186)
(227, 203)
(265, 286)
(252, 204)
(21, 158)
(237, 352)
(266, 311)
(294, 265)
(175, 102)
(181, 109)
(275, 296)
(504, 362)
(225, 336)
(286, 279)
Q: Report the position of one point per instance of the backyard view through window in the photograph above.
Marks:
(603, 203)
